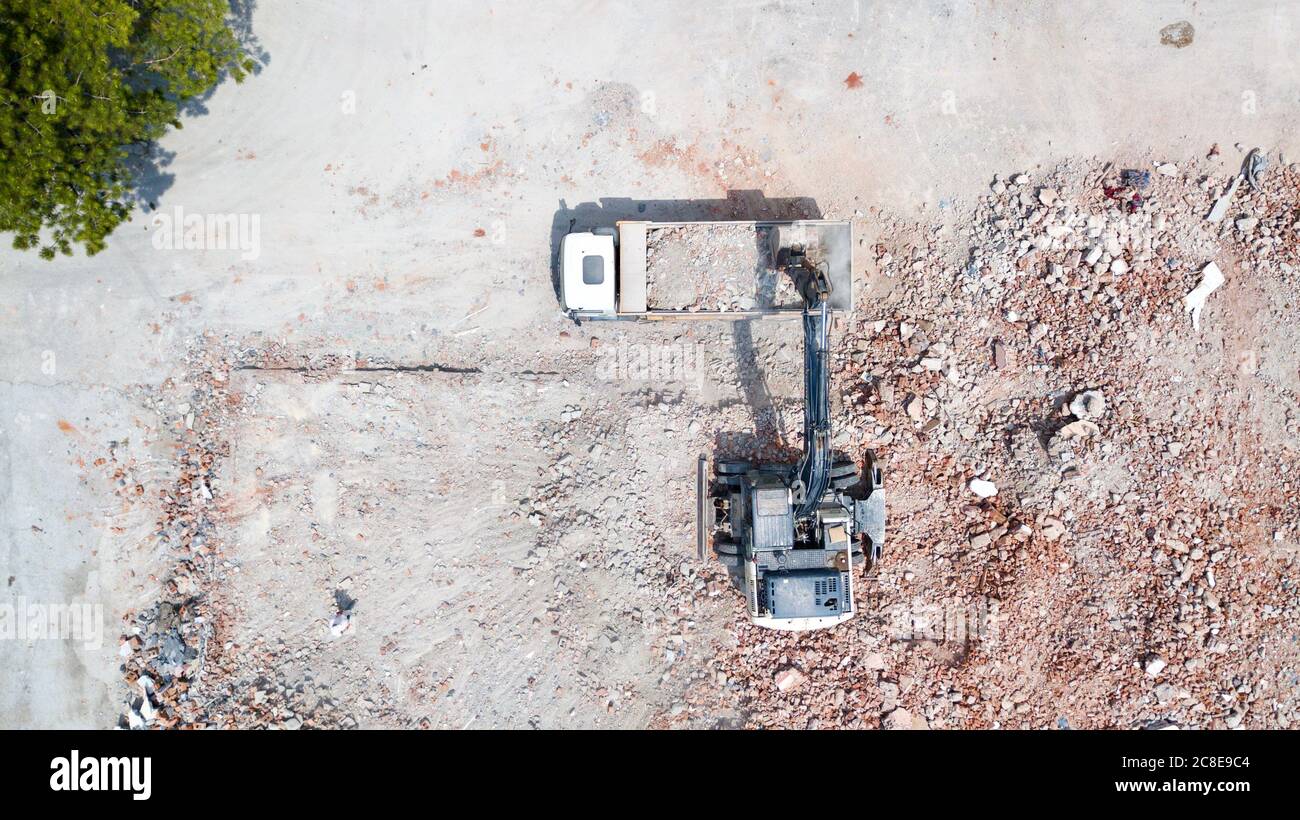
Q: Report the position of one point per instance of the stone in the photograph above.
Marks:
(889, 695)
(886, 391)
(1077, 429)
(983, 488)
(898, 719)
(1052, 528)
(1155, 665)
(1089, 404)
(915, 408)
(789, 679)
(999, 354)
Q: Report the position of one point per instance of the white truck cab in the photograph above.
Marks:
(587, 273)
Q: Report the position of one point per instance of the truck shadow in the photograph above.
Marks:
(739, 205)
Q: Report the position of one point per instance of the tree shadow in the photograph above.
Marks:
(241, 24)
(148, 163)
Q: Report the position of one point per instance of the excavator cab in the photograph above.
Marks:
(796, 573)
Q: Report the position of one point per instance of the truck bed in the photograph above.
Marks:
(714, 267)
(724, 269)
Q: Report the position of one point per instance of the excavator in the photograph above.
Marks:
(790, 534)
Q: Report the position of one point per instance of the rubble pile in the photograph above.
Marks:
(180, 670)
(166, 646)
(653, 593)
(1080, 480)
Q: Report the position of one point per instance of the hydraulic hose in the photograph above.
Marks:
(813, 472)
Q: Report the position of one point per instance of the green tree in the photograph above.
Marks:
(85, 87)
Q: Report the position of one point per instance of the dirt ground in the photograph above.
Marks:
(364, 473)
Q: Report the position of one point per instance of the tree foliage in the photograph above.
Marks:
(86, 86)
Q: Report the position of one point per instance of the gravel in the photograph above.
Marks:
(714, 268)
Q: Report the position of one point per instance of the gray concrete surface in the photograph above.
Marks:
(380, 137)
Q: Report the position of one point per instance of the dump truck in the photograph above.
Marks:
(612, 272)
(790, 534)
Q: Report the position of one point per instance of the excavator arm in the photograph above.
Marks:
(812, 475)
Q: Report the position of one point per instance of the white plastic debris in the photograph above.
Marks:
(1211, 278)
(1089, 404)
(147, 711)
(340, 623)
(982, 488)
(1220, 209)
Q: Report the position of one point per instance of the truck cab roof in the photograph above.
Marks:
(587, 266)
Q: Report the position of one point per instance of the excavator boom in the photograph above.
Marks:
(813, 473)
